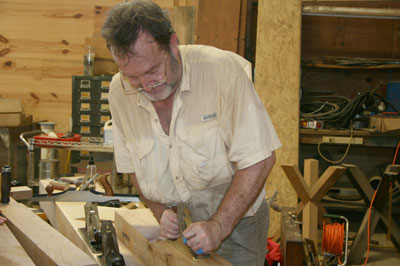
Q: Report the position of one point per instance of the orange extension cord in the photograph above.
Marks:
(332, 239)
(333, 234)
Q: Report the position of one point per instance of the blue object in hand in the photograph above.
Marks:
(198, 252)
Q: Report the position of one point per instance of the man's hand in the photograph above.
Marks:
(2, 218)
(207, 235)
(169, 224)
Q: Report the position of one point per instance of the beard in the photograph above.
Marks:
(162, 93)
(165, 90)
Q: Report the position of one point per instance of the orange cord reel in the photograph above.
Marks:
(334, 236)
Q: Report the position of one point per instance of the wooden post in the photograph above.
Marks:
(310, 211)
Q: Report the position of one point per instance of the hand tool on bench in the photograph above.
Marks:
(110, 250)
(185, 219)
(92, 231)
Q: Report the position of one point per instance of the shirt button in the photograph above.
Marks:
(156, 120)
(170, 146)
(177, 177)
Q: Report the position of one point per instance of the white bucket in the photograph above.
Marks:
(108, 137)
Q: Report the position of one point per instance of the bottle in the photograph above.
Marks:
(88, 61)
(91, 170)
(5, 184)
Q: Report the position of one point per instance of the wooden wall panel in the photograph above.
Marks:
(277, 80)
(44, 46)
(218, 23)
(355, 37)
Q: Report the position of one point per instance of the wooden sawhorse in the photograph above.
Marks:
(379, 213)
(310, 190)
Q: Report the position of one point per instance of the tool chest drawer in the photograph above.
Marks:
(90, 107)
(90, 88)
(90, 119)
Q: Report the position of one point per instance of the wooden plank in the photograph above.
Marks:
(242, 27)
(297, 181)
(218, 24)
(360, 182)
(11, 252)
(10, 105)
(310, 211)
(135, 227)
(71, 216)
(183, 21)
(10, 120)
(277, 81)
(21, 193)
(44, 244)
(357, 11)
(326, 181)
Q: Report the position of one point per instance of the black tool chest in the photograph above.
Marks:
(90, 109)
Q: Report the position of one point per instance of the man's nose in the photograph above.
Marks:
(142, 82)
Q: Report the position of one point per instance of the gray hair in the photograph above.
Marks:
(126, 21)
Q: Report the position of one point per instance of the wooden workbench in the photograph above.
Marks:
(68, 217)
(136, 224)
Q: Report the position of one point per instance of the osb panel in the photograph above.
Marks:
(277, 79)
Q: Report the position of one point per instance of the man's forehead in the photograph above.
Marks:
(144, 44)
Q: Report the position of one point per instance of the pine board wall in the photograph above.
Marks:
(42, 45)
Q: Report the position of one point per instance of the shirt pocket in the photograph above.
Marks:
(204, 162)
(143, 162)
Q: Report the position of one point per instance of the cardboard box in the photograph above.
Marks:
(383, 123)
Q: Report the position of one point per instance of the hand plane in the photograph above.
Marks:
(109, 246)
(185, 219)
(101, 237)
(92, 231)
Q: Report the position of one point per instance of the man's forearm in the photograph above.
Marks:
(244, 190)
(155, 207)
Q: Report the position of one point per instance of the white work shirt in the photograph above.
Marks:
(218, 125)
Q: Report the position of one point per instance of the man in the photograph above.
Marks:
(188, 126)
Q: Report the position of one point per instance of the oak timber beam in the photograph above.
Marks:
(44, 244)
(135, 227)
(11, 252)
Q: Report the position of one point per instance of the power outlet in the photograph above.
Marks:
(342, 140)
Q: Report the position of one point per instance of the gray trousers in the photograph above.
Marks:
(247, 244)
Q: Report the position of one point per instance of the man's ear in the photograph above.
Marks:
(174, 42)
